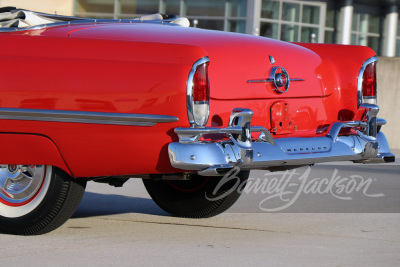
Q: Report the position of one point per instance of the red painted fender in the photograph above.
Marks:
(30, 149)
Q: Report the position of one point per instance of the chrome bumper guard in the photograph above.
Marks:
(216, 158)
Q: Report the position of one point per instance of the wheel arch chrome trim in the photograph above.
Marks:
(107, 118)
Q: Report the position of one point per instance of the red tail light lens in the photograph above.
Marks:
(201, 86)
(366, 84)
(369, 81)
(198, 93)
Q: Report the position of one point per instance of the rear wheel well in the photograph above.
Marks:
(30, 149)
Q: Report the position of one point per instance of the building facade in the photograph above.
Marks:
(373, 23)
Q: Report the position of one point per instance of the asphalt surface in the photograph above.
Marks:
(314, 219)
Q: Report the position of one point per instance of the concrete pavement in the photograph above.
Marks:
(123, 226)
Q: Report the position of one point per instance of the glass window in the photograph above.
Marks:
(269, 30)
(311, 14)
(205, 8)
(366, 23)
(211, 24)
(398, 48)
(289, 33)
(329, 37)
(95, 6)
(354, 23)
(236, 26)
(353, 39)
(398, 28)
(373, 24)
(373, 42)
(330, 15)
(290, 12)
(281, 19)
(236, 8)
(270, 9)
(138, 7)
(362, 39)
(363, 26)
(309, 35)
(171, 7)
(365, 30)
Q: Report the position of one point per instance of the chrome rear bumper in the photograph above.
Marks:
(215, 158)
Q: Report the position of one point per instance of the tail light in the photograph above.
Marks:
(367, 82)
(198, 93)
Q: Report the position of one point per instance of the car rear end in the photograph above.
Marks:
(274, 105)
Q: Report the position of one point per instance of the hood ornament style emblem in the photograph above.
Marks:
(271, 59)
(279, 77)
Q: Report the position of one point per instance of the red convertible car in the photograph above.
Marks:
(108, 100)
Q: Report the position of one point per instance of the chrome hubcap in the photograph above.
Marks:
(20, 183)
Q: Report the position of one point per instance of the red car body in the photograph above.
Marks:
(143, 68)
(61, 80)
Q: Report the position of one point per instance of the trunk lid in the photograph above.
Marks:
(235, 59)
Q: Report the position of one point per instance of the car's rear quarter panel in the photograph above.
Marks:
(40, 72)
(340, 70)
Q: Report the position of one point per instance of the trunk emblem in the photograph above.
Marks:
(279, 77)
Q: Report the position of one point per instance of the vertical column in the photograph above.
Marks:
(182, 9)
(117, 9)
(322, 23)
(364, 22)
(253, 17)
(161, 7)
(390, 31)
(345, 21)
(290, 33)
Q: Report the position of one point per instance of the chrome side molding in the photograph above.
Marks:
(84, 117)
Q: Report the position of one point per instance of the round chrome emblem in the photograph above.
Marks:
(281, 79)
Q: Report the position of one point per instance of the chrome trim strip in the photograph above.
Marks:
(360, 76)
(271, 80)
(84, 117)
(189, 90)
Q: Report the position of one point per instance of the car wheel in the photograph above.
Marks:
(199, 197)
(36, 199)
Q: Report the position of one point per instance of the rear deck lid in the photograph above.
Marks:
(238, 62)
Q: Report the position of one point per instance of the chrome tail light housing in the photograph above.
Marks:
(198, 93)
(366, 84)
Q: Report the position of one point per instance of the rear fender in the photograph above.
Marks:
(30, 149)
(339, 71)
